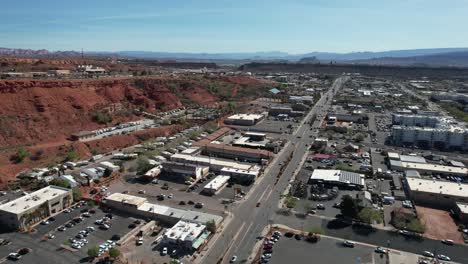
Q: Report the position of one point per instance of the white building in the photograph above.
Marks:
(22, 213)
(244, 119)
(216, 184)
(240, 175)
(338, 178)
(415, 120)
(186, 235)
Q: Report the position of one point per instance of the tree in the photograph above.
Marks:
(72, 155)
(107, 172)
(93, 252)
(370, 216)
(211, 226)
(143, 165)
(114, 253)
(349, 206)
(21, 154)
(76, 194)
(91, 203)
(60, 183)
(290, 202)
(359, 138)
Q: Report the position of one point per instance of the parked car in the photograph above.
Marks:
(164, 251)
(380, 250)
(14, 256)
(448, 242)
(443, 257)
(428, 254)
(348, 243)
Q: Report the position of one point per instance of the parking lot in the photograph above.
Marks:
(179, 194)
(58, 249)
(326, 251)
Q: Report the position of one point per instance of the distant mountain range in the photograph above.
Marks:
(438, 57)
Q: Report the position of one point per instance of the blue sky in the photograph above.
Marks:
(234, 26)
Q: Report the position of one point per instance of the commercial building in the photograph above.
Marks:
(22, 213)
(91, 69)
(428, 168)
(458, 97)
(239, 175)
(186, 235)
(338, 178)
(141, 207)
(306, 99)
(274, 111)
(216, 184)
(213, 163)
(233, 152)
(437, 194)
(244, 119)
(184, 170)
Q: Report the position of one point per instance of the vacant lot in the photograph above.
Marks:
(439, 224)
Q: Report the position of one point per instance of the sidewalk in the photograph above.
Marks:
(198, 257)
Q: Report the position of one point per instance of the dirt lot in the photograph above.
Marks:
(439, 224)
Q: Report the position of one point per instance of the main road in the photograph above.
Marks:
(239, 236)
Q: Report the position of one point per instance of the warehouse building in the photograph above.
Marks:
(338, 178)
(141, 207)
(24, 212)
(216, 184)
(436, 194)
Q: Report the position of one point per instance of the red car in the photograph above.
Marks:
(267, 246)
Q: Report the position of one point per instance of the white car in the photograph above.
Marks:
(45, 222)
(428, 254)
(139, 241)
(14, 256)
(443, 257)
(76, 246)
(164, 251)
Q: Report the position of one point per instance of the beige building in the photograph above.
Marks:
(22, 213)
(436, 194)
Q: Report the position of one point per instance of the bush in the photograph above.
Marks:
(290, 202)
(21, 154)
(93, 252)
(76, 194)
(211, 226)
(72, 155)
(101, 117)
(114, 253)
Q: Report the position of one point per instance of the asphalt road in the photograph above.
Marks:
(240, 235)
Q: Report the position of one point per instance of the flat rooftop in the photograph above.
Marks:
(433, 167)
(128, 199)
(438, 187)
(34, 199)
(463, 207)
(215, 161)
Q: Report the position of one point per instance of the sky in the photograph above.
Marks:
(221, 26)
